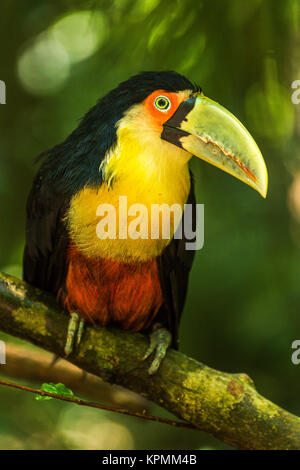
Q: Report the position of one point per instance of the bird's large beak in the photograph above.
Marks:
(207, 130)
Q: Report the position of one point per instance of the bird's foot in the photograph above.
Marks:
(75, 328)
(160, 340)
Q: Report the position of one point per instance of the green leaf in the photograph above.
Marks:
(63, 390)
(56, 389)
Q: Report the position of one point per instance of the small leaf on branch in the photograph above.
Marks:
(56, 389)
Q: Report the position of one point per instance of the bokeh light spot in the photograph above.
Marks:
(270, 112)
(269, 108)
(91, 430)
(80, 33)
(143, 8)
(43, 66)
(294, 197)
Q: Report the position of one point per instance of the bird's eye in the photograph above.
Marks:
(162, 103)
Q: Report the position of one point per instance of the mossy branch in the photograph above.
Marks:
(225, 405)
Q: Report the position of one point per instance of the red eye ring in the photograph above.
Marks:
(160, 116)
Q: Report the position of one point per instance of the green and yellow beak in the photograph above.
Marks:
(207, 130)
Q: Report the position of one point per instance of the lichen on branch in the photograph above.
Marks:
(225, 405)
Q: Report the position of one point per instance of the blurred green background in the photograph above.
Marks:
(242, 314)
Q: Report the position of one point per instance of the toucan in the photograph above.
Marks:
(136, 142)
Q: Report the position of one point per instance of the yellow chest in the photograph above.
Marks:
(133, 215)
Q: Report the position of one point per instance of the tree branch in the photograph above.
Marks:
(98, 406)
(225, 405)
(35, 365)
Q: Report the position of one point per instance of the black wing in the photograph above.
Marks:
(44, 261)
(174, 266)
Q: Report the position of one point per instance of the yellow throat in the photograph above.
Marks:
(145, 169)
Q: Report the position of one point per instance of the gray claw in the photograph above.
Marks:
(76, 324)
(160, 340)
(80, 331)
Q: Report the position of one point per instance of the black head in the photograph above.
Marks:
(75, 162)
